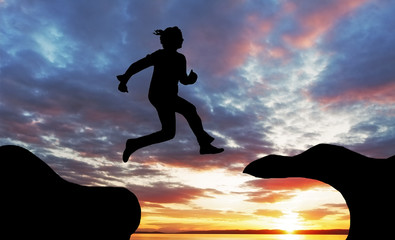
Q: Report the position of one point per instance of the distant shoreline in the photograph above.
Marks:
(265, 231)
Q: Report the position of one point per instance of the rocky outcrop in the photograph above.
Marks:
(366, 183)
(38, 204)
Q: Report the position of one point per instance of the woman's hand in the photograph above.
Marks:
(122, 87)
(122, 84)
(192, 78)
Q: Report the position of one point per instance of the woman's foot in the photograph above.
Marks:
(129, 149)
(210, 149)
(205, 139)
(210, 139)
(121, 78)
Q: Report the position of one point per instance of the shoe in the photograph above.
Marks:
(129, 149)
(210, 149)
(207, 139)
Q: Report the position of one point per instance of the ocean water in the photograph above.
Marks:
(141, 236)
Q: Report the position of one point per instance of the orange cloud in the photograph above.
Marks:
(277, 52)
(315, 23)
(199, 213)
(286, 184)
(269, 197)
(317, 214)
(269, 213)
(382, 94)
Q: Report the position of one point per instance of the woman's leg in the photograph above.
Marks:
(168, 120)
(188, 110)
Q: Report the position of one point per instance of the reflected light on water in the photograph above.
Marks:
(290, 237)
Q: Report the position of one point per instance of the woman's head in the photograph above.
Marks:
(170, 38)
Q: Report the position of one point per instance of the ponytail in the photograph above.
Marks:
(158, 32)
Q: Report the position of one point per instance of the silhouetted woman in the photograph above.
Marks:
(169, 69)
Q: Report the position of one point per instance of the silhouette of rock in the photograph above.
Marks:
(366, 183)
(38, 204)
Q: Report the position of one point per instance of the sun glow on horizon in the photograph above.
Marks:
(289, 222)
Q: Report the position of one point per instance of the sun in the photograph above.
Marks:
(289, 222)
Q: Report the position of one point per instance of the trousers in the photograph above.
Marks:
(166, 109)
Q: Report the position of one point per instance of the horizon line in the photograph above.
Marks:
(262, 231)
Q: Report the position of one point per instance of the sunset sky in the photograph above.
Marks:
(275, 76)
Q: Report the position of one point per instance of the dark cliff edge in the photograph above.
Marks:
(38, 204)
(366, 183)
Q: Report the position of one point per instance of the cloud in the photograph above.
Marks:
(269, 196)
(286, 184)
(277, 190)
(361, 66)
(269, 212)
(163, 192)
(336, 205)
(316, 214)
(64, 75)
(340, 210)
(378, 145)
(315, 19)
(60, 68)
(199, 213)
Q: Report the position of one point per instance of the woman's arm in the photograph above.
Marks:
(133, 69)
(137, 67)
(188, 79)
